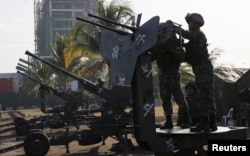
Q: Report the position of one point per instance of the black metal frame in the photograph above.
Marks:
(130, 81)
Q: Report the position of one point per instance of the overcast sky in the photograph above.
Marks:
(227, 23)
(227, 26)
(16, 32)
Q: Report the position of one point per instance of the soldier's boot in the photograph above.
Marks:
(212, 122)
(168, 124)
(186, 121)
(202, 126)
(179, 120)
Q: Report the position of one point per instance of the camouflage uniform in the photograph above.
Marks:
(191, 97)
(169, 78)
(197, 57)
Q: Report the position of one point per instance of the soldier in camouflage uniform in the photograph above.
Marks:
(168, 63)
(191, 93)
(197, 56)
(191, 97)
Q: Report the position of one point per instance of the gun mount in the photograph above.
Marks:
(74, 110)
(76, 101)
(131, 78)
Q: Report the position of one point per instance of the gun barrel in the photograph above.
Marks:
(52, 65)
(57, 92)
(138, 21)
(110, 21)
(43, 107)
(103, 26)
(88, 85)
(26, 62)
(21, 68)
(29, 77)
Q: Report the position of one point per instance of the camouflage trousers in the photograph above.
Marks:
(170, 87)
(204, 81)
(194, 111)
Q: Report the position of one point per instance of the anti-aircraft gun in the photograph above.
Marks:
(129, 54)
(74, 110)
(77, 101)
(74, 101)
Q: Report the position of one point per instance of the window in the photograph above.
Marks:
(62, 24)
(62, 14)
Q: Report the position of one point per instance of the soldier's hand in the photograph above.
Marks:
(181, 54)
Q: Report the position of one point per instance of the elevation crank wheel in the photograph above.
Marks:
(36, 144)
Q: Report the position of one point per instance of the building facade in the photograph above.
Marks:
(9, 82)
(51, 17)
(54, 17)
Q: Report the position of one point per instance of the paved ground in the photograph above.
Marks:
(10, 138)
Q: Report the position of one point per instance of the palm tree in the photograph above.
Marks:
(43, 72)
(38, 72)
(214, 54)
(118, 11)
(85, 38)
(186, 70)
(67, 55)
(88, 36)
(81, 58)
(186, 73)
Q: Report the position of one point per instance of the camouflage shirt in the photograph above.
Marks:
(168, 60)
(196, 48)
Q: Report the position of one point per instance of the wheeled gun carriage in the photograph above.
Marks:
(74, 110)
(129, 54)
(75, 107)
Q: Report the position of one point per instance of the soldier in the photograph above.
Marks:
(191, 97)
(168, 63)
(197, 56)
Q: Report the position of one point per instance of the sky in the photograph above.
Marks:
(16, 32)
(227, 27)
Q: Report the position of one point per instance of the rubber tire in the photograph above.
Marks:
(89, 138)
(18, 119)
(32, 131)
(36, 144)
(22, 127)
